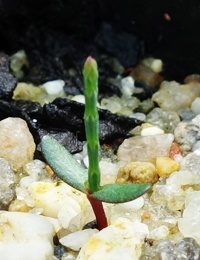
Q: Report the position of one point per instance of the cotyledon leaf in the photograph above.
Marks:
(63, 163)
(119, 193)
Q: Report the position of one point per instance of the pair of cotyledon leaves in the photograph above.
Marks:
(70, 171)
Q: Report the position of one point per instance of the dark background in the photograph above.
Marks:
(57, 32)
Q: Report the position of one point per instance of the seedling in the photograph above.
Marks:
(71, 172)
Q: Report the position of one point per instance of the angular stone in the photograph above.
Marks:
(16, 142)
(77, 239)
(189, 224)
(175, 97)
(166, 120)
(7, 180)
(58, 200)
(165, 166)
(137, 172)
(145, 148)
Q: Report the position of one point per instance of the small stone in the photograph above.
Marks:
(57, 200)
(54, 87)
(79, 98)
(25, 91)
(191, 163)
(16, 142)
(145, 74)
(155, 64)
(187, 248)
(7, 81)
(166, 120)
(121, 240)
(189, 224)
(19, 206)
(146, 106)
(181, 178)
(127, 86)
(129, 206)
(159, 233)
(17, 61)
(186, 135)
(113, 104)
(174, 150)
(7, 180)
(172, 196)
(145, 148)
(22, 233)
(174, 96)
(165, 166)
(195, 106)
(138, 116)
(148, 129)
(137, 172)
(77, 239)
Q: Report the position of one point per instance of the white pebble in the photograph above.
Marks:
(153, 130)
(127, 86)
(195, 107)
(25, 236)
(118, 241)
(79, 99)
(54, 87)
(77, 239)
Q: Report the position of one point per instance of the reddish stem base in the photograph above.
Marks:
(99, 212)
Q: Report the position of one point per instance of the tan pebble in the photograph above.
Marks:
(165, 166)
(145, 216)
(138, 172)
(173, 230)
(19, 206)
(50, 171)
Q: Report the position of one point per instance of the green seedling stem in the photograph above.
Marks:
(91, 119)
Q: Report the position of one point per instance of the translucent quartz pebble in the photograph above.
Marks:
(122, 209)
(191, 163)
(170, 196)
(16, 142)
(176, 97)
(7, 179)
(189, 224)
(186, 134)
(112, 104)
(164, 250)
(167, 120)
(26, 236)
(145, 148)
(122, 106)
(187, 248)
(36, 171)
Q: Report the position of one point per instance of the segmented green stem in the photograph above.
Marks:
(91, 118)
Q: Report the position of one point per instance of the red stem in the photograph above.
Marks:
(99, 212)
